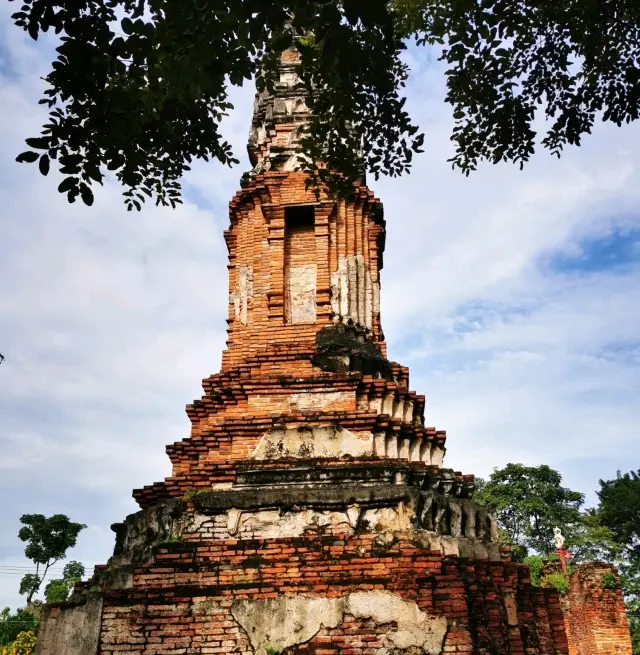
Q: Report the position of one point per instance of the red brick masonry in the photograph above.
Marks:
(181, 601)
(595, 618)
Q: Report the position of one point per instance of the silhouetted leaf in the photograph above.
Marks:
(43, 164)
(41, 143)
(143, 93)
(27, 157)
(86, 194)
(67, 184)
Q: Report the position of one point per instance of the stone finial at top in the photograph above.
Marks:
(278, 119)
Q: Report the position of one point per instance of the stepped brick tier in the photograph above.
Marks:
(309, 511)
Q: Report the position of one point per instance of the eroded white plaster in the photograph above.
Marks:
(243, 294)
(274, 524)
(308, 441)
(234, 517)
(437, 455)
(322, 400)
(415, 627)
(301, 292)
(354, 292)
(308, 400)
(388, 519)
(280, 623)
(353, 514)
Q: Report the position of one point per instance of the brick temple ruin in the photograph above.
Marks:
(309, 512)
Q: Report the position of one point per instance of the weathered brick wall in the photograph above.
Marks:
(71, 629)
(345, 242)
(236, 412)
(595, 617)
(187, 599)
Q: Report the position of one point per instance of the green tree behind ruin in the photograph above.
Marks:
(47, 539)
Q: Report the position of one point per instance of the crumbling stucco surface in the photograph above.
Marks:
(288, 621)
(301, 294)
(318, 400)
(276, 524)
(136, 537)
(355, 294)
(243, 294)
(71, 630)
(310, 442)
(324, 400)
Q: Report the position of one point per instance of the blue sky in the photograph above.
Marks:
(512, 295)
(616, 251)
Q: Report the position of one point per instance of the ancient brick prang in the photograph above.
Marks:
(309, 511)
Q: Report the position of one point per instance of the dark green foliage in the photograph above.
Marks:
(628, 567)
(480, 484)
(543, 575)
(594, 541)
(29, 585)
(48, 540)
(529, 502)
(517, 551)
(620, 508)
(57, 591)
(619, 511)
(535, 564)
(573, 61)
(630, 582)
(556, 580)
(139, 86)
(11, 625)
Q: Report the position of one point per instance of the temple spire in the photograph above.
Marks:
(278, 120)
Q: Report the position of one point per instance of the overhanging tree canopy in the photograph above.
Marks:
(139, 86)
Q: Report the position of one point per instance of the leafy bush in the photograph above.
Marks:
(556, 580)
(11, 625)
(535, 564)
(24, 644)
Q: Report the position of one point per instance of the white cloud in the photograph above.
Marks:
(109, 320)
